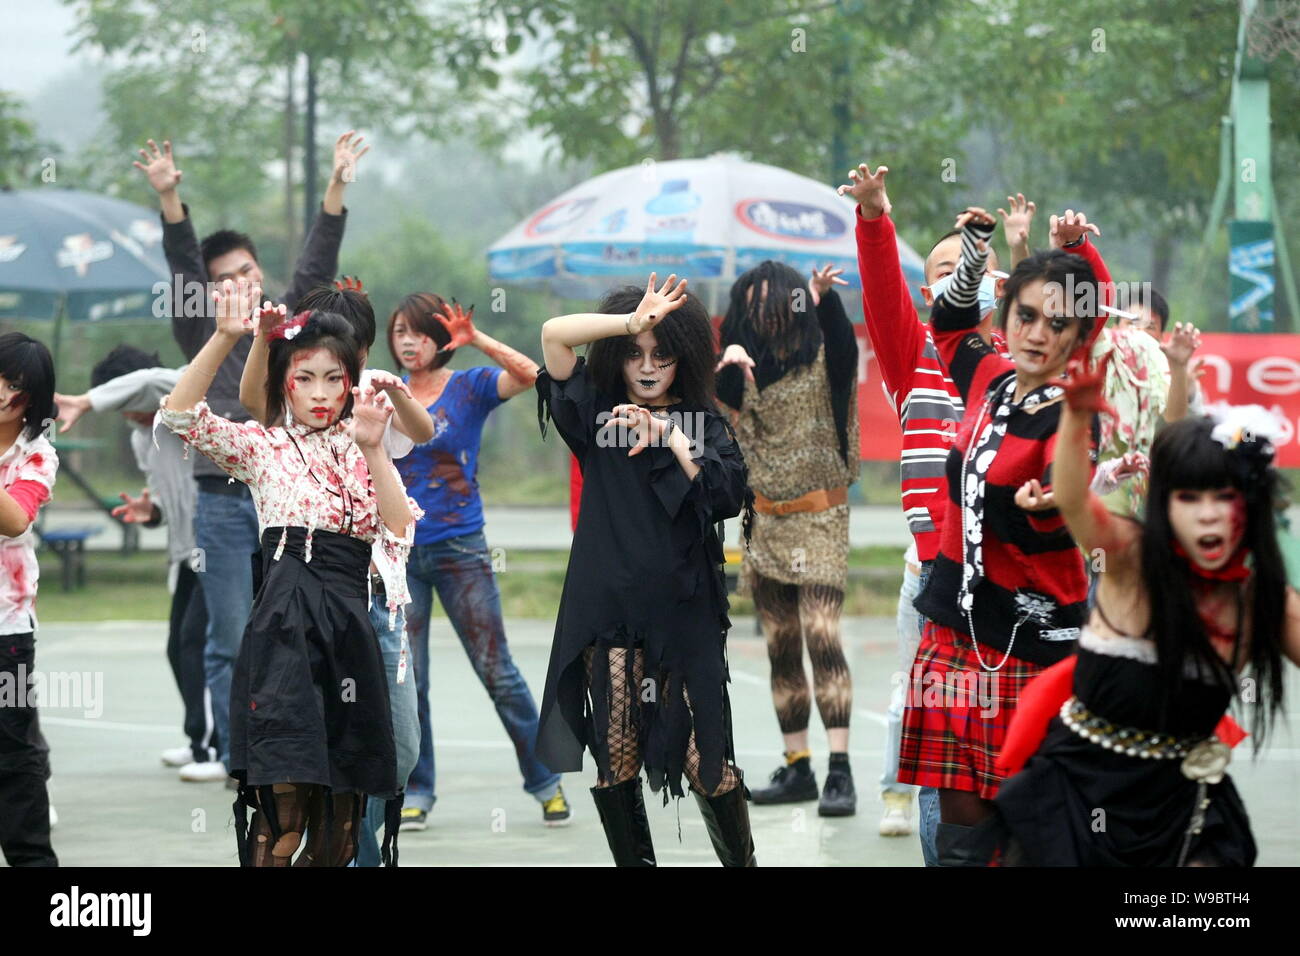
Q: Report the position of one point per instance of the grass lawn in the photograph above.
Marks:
(134, 587)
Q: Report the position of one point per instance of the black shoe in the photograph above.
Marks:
(622, 814)
(793, 783)
(956, 845)
(839, 799)
(726, 817)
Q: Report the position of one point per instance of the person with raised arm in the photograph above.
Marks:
(1133, 730)
(451, 558)
(796, 413)
(1008, 591)
(225, 523)
(311, 728)
(638, 668)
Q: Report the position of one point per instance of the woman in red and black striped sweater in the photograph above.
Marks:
(1008, 590)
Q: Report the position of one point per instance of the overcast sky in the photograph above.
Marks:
(35, 44)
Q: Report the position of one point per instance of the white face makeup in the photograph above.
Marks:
(648, 371)
(1209, 524)
(414, 349)
(13, 402)
(316, 387)
(1039, 335)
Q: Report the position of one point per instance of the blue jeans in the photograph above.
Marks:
(460, 569)
(406, 724)
(225, 530)
(910, 626)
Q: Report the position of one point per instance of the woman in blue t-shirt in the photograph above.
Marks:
(450, 552)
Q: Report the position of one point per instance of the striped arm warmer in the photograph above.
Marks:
(964, 290)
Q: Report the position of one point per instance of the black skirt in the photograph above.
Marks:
(309, 697)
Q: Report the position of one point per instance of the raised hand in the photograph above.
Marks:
(644, 426)
(370, 415)
(1069, 228)
(346, 155)
(159, 167)
(458, 323)
(1084, 385)
(973, 214)
(388, 382)
(1133, 464)
(868, 190)
(656, 304)
(1032, 497)
(235, 303)
(134, 510)
(1184, 340)
(1016, 223)
(736, 355)
(823, 280)
(270, 316)
(71, 407)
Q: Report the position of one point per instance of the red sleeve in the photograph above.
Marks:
(575, 492)
(1089, 252)
(896, 333)
(30, 495)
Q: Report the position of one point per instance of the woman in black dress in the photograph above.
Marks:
(638, 670)
(1130, 771)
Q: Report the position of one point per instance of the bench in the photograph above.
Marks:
(70, 545)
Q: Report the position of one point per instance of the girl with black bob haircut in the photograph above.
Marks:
(1191, 599)
(638, 669)
(28, 466)
(311, 730)
(26, 366)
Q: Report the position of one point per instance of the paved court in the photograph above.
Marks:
(118, 805)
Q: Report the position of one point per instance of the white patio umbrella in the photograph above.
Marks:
(707, 219)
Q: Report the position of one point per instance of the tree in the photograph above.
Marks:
(20, 149)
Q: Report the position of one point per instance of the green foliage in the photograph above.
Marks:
(20, 150)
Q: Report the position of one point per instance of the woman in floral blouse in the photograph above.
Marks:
(311, 734)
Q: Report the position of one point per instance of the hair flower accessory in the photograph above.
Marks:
(1244, 424)
(290, 329)
(348, 284)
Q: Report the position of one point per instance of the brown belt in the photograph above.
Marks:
(818, 500)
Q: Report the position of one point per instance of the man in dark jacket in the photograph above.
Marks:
(225, 522)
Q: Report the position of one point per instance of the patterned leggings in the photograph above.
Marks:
(792, 614)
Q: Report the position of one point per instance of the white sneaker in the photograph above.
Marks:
(54, 818)
(210, 771)
(177, 757)
(897, 819)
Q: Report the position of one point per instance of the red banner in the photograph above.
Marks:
(1241, 369)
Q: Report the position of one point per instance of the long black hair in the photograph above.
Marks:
(1185, 457)
(327, 330)
(780, 331)
(26, 363)
(685, 334)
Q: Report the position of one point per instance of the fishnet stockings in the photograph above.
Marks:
(622, 742)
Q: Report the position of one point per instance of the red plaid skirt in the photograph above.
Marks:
(958, 713)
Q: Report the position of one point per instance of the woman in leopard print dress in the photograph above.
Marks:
(788, 370)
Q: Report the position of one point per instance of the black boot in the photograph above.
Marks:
(839, 798)
(622, 814)
(957, 845)
(727, 819)
(793, 783)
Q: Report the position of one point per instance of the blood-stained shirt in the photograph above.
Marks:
(442, 474)
(27, 470)
(300, 477)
